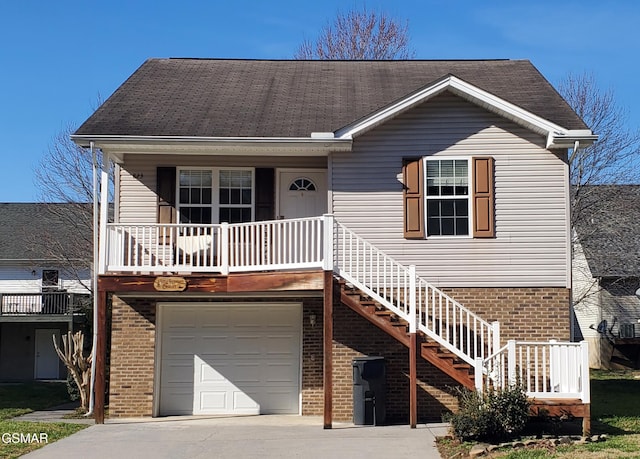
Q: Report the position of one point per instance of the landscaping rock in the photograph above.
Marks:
(478, 450)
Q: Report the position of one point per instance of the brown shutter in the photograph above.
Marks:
(265, 193)
(483, 200)
(166, 189)
(413, 197)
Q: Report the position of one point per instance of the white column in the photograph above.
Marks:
(327, 238)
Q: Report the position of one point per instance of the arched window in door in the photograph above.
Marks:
(302, 184)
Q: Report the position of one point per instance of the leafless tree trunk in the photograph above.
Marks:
(77, 363)
(359, 34)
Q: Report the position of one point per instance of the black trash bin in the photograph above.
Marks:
(369, 391)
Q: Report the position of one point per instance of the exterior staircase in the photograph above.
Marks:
(398, 328)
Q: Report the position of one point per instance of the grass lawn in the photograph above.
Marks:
(615, 411)
(22, 398)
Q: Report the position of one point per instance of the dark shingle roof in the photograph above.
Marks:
(34, 231)
(258, 98)
(609, 229)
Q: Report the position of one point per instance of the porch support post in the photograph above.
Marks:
(413, 380)
(101, 354)
(413, 350)
(328, 349)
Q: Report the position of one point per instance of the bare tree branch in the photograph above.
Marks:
(359, 34)
(65, 175)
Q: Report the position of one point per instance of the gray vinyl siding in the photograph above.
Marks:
(137, 184)
(531, 244)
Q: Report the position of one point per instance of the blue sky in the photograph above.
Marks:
(58, 58)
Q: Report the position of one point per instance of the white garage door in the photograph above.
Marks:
(230, 359)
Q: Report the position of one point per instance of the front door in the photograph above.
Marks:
(47, 361)
(302, 193)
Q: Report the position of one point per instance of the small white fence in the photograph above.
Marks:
(546, 370)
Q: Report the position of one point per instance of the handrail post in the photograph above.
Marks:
(496, 337)
(478, 374)
(327, 239)
(412, 299)
(511, 362)
(586, 382)
(224, 248)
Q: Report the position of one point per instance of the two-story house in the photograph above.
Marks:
(45, 284)
(275, 220)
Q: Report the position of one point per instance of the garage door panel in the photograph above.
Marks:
(213, 401)
(174, 371)
(279, 372)
(181, 345)
(244, 402)
(235, 359)
(209, 374)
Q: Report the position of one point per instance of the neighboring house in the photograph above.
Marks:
(277, 219)
(606, 275)
(41, 292)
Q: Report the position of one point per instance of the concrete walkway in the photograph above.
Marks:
(239, 437)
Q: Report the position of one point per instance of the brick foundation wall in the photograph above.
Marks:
(133, 332)
(524, 313)
(538, 314)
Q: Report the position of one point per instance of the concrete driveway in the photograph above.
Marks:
(243, 437)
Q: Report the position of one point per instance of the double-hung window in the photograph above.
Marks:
(215, 195)
(448, 203)
(448, 197)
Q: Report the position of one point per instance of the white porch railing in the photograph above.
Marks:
(545, 370)
(223, 248)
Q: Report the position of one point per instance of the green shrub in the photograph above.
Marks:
(492, 416)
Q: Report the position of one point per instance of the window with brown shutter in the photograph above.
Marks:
(444, 203)
(413, 197)
(483, 198)
(166, 190)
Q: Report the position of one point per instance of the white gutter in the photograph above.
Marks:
(321, 141)
(571, 139)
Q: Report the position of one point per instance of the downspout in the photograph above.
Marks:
(572, 319)
(94, 279)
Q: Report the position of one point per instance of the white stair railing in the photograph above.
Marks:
(423, 306)
(545, 370)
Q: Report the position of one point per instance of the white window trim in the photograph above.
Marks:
(469, 234)
(215, 190)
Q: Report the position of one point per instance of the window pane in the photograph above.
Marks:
(448, 227)
(224, 215)
(246, 196)
(433, 226)
(206, 196)
(224, 179)
(433, 168)
(433, 208)
(184, 195)
(224, 196)
(195, 196)
(235, 196)
(462, 207)
(462, 226)
(447, 208)
(446, 190)
(446, 168)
